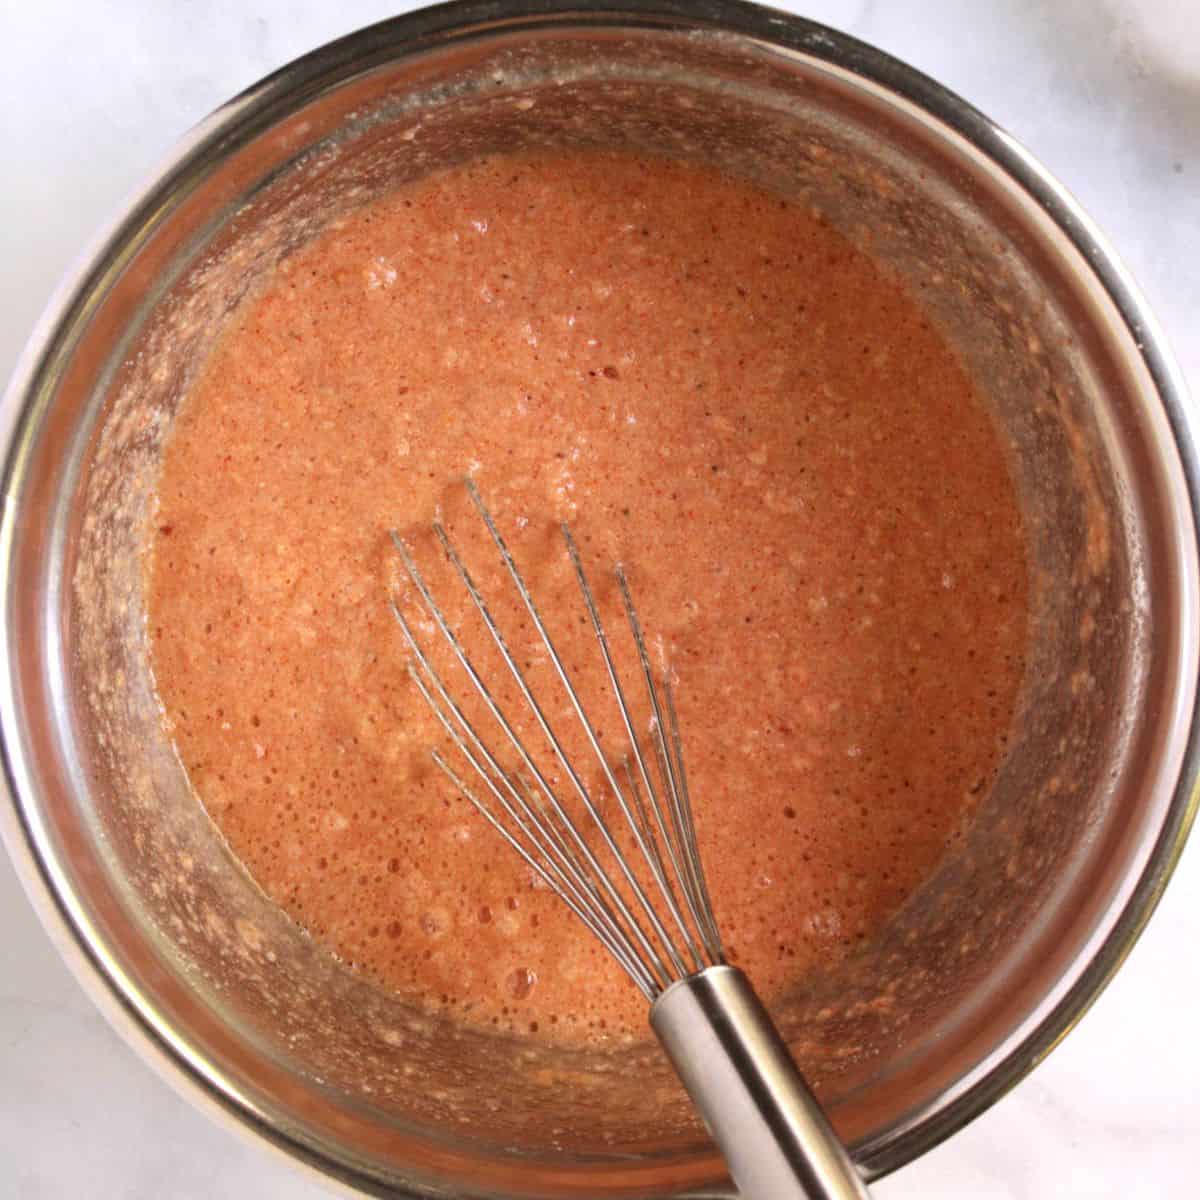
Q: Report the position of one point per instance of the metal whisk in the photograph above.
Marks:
(658, 922)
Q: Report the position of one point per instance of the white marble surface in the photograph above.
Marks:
(1106, 92)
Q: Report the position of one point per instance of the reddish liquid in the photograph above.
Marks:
(714, 387)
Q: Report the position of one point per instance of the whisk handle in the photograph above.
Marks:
(776, 1140)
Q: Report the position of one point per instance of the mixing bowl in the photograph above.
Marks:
(983, 970)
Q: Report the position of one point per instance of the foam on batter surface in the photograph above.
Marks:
(713, 386)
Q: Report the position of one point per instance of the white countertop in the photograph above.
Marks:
(90, 99)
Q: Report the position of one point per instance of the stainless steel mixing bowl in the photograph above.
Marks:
(980, 974)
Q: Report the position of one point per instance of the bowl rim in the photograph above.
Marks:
(393, 40)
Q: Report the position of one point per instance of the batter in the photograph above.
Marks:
(713, 386)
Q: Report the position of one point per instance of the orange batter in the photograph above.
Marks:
(713, 386)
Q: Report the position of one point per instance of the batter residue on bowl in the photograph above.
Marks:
(712, 385)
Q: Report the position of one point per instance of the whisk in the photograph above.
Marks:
(650, 908)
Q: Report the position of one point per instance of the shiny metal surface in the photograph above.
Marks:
(754, 1101)
(1087, 822)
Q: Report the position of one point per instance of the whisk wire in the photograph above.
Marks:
(636, 793)
(554, 742)
(572, 694)
(552, 824)
(639, 935)
(573, 883)
(563, 887)
(688, 862)
(642, 829)
(703, 910)
(538, 825)
(515, 804)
